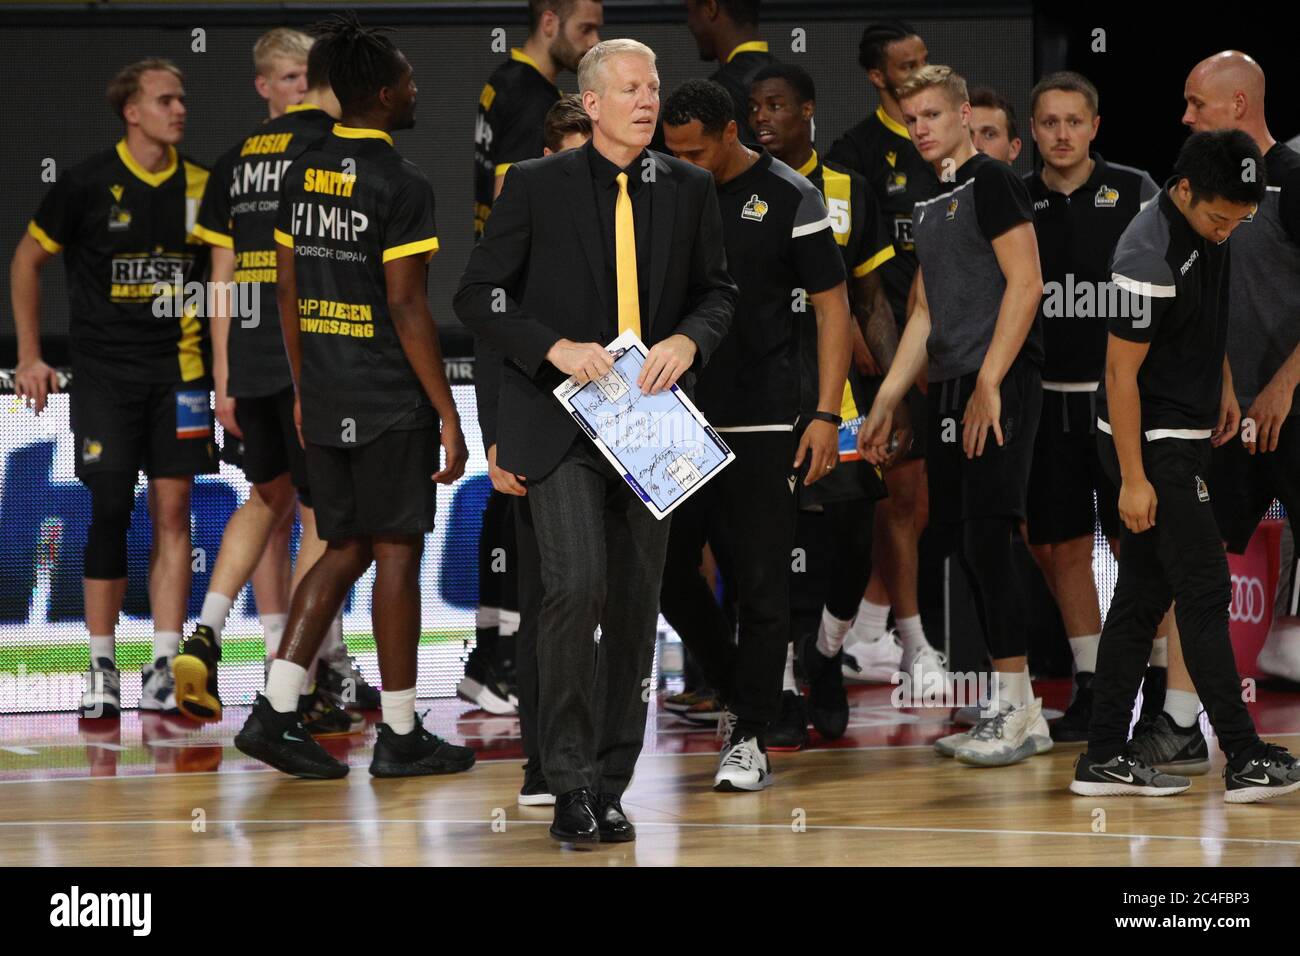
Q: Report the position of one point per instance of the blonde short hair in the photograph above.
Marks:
(590, 68)
(282, 42)
(928, 77)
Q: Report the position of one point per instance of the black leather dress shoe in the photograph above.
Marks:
(575, 818)
(615, 827)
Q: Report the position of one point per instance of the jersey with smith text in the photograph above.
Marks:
(881, 150)
(238, 213)
(347, 207)
(511, 111)
(123, 230)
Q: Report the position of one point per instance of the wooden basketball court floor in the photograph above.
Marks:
(154, 791)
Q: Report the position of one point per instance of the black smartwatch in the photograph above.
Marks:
(831, 417)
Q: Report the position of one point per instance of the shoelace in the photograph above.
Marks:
(726, 724)
(1273, 754)
(987, 728)
(742, 756)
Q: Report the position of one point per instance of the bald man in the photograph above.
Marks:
(1226, 91)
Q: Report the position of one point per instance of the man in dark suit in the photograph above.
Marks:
(580, 247)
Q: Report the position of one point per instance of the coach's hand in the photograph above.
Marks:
(1269, 411)
(586, 361)
(453, 444)
(1229, 417)
(821, 440)
(226, 414)
(982, 411)
(503, 481)
(1137, 505)
(665, 363)
(874, 433)
(34, 382)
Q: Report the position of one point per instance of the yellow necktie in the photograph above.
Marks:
(629, 296)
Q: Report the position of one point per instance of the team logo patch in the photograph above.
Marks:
(1106, 197)
(193, 414)
(119, 219)
(896, 183)
(91, 450)
(1202, 491)
(891, 157)
(952, 209)
(755, 209)
(117, 191)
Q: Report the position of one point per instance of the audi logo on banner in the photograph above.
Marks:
(1247, 600)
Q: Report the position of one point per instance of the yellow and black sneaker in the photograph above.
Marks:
(195, 669)
(323, 719)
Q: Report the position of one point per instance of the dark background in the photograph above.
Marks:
(450, 49)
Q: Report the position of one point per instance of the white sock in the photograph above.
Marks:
(1014, 689)
(1160, 652)
(166, 643)
(830, 634)
(1183, 707)
(911, 634)
(102, 646)
(273, 626)
(216, 608)
(333, 637)
(872, 618)
(398, 708)
(788, 681)
(1084, 650)
(284, 685)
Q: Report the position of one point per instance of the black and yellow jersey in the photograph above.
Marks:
(735, 75)
(122, 230)
(511, 111)
(881, 150)
(865, 245)
(347, 207)
(238, 213)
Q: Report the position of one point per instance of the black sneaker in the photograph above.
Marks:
(1072, 727)
(487, 689)
(1154, 685)
(827, 701)
(339, 679)
(195, 669)
(1272, 772)
(1124, 775)
(323, 718)
(416, 754)
(281, 741)
(790, 730)
(535, 792)
(1166, 746)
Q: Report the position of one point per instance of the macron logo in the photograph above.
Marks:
(72, 909)
(1188, 264)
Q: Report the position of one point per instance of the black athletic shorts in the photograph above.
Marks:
(120, 424)
(1244, 485)
(1067, 470)
(995, 483)
(270, 445)
(384, 487)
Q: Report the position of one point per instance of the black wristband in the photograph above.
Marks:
(831, 417)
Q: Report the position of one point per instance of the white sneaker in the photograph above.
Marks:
(871, 661)
(742, 766)
(103, 694)
(158, 687)
(947, 746)
(927, 661)
(1280, 654)
(1005, 738)
(1039, 734)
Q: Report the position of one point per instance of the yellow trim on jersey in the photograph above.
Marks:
(875, 262)
(429, 245)
(150, 179)
(283, 239)
(189, 348)
(501, 169)
(213, 238)
(487, 96)
(752, 46)
(890, 123)
(807, 168)
(43, 237)
(848, 407)
(837, 188)
(522, 57)
(354, 132)
(299, 107)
